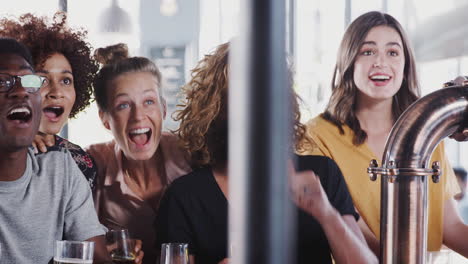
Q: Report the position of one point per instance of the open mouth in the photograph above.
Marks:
(53, 112)
(21, 114)
(140, 136)
(380, 78)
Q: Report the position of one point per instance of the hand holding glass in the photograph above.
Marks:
(120, 246)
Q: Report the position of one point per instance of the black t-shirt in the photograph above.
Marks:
(194, 210)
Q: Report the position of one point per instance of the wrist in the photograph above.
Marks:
(327, 215)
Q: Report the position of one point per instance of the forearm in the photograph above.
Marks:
(455, 232)
(346, 246)
(372, 241)
(458, 240)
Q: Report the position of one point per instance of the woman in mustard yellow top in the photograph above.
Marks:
(373, 83)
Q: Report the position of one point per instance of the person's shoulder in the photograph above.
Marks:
(320, 124)
(193, 181)
(103, 146)
(317, 122)
(176, 160)
(65, 143)
(53, 161)
(101, 150)
(171, 146)
(58, 153)
(169, 137)
(316, 163)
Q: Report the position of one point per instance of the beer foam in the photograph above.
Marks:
(72, 261)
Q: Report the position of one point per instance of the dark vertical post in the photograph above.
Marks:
(63, 5)
(258, 135)
(347, 15)
(385, 6)
(290, 28)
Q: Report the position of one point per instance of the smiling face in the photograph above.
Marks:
(59, 96)
(19, 110)
(135, 114)
(379, 66)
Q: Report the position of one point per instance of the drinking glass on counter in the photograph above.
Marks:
(73, 252)
(120, 246)
(174, 253)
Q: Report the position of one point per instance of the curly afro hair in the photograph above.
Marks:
(45, 38)
(203, 129)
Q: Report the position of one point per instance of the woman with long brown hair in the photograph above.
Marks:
(194, 209)
(373, 83)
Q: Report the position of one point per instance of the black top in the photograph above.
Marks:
(194, 210)
(84, 161)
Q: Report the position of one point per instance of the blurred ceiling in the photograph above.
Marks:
(443, 36)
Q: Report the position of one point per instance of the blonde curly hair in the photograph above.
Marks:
(203, 117)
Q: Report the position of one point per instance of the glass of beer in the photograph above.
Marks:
(73, 252)
(174, 253)
(120, 246)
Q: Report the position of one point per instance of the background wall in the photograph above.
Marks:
(437, 30)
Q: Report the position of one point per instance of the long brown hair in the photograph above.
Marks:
(203, 128)
(341, 107)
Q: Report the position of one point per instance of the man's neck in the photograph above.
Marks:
(12, 164)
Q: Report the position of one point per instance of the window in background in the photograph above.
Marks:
(86, 128)
(19, 7)
(320, 26)
(218, 23)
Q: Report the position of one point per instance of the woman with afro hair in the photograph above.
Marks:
(64, 57)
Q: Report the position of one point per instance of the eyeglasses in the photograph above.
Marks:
(30, 82)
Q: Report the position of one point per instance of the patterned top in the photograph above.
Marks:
(84, 161)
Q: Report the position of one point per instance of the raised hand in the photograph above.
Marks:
(308, 194)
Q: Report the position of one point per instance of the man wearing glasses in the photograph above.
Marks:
(43, 198)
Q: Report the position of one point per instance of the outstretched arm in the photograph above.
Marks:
(455, 231)
(371, 239)
(343, 234)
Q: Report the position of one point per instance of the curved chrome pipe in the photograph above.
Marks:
(415, 135)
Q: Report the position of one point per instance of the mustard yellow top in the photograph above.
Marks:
(353, 162)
